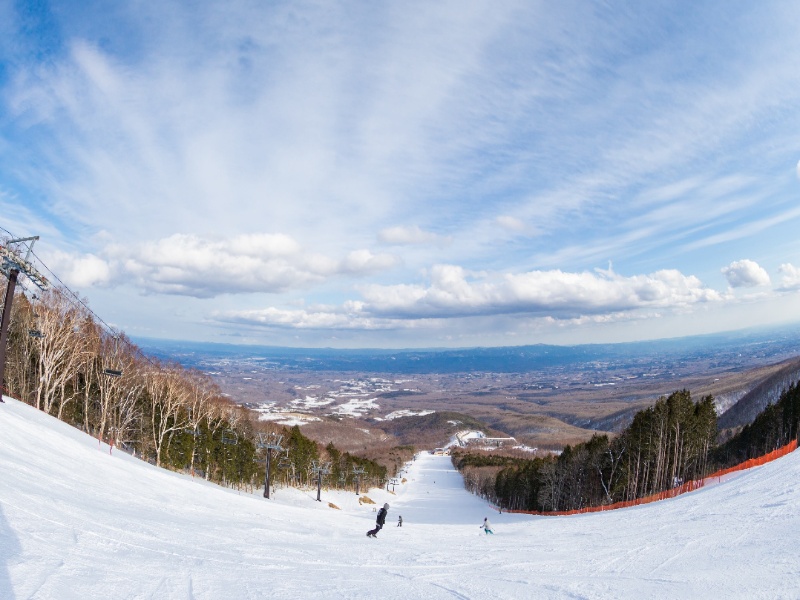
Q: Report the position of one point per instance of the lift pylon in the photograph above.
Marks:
(12, 264)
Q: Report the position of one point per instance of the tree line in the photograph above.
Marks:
(665, 445)
(63, 362)
(773, 427)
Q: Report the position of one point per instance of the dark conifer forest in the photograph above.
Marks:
(666, 445)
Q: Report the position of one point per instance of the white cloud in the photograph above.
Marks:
(348, 317)
(298, 318)
(191, 265)
(362, 262)
(400, 235)
(791, 277)
(456, 294)
(80, 272)
(745, 273)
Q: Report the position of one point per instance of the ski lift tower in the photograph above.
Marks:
(269, 441)
(320, 469)
(358, 472)
(12, 264)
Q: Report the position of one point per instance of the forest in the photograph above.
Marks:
(672, 442)
(64, 362)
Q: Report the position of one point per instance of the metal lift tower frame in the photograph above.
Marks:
(12, 265)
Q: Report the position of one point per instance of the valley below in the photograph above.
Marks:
(543, 396)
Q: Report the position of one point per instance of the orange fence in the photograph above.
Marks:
(755, 462)
(677, 490)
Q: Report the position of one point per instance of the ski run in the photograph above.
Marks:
(78, 522)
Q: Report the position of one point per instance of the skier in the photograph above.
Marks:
(379, 521)
(487, 527)
(399, 520)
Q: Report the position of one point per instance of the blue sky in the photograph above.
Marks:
(408, 174)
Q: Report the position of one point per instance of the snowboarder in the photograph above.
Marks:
(487, 527)
(379, 521)
(399, 520)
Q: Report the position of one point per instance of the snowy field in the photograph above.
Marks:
(78, 523)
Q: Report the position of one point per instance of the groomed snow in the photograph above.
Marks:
(78, 523)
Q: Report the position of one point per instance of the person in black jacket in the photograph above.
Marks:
(379, 521)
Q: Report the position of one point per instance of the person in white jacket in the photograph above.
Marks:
(487, 527)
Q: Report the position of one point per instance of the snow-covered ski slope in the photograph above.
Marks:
(78, 523)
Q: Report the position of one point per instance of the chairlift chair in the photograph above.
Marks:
(35, 332)
(229, 437)
(284, 462)
(114, 372)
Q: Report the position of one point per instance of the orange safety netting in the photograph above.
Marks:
(677, 490)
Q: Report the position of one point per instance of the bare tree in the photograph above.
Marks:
(168, 400)
(70, 386)
(126, 412)
(59, 347)
(116, 376)
(90, 368)
(200, 406)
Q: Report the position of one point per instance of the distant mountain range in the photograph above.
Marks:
(740, 348)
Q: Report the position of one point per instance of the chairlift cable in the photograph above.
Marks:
(64, 286)
(114, 332)
(109, 329)
(76, 299)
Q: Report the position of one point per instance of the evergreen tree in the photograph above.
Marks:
(663, 446)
